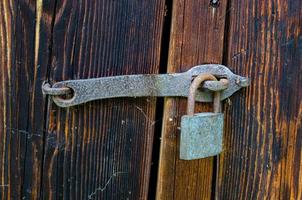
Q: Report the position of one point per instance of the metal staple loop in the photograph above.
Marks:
(48, 90)
(220, 85)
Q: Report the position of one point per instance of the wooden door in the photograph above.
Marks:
(263, 123)
(100, 150)
(109, 149)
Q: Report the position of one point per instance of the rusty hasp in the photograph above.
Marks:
(143, 85)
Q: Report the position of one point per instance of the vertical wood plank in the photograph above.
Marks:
(262, 157)
(102, 149)
(23, 54)
(6, 61)
(196, 38)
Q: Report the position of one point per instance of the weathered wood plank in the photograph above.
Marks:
(102, 149)
(262, 157)
(22, 57)
(196, 38)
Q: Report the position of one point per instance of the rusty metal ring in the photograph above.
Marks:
(48, 90)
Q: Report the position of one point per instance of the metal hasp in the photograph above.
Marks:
(201, 133)
(158, 85)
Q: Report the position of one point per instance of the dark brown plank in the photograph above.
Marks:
(102, 149)
(196, 38)
(23, 55)
(263, 134)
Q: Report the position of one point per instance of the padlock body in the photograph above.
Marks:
(201, 135)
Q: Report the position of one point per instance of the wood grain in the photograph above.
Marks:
(196, 38)
(262, 157)
(102, 149)
(22, 104)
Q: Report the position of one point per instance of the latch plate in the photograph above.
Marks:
(159, 85)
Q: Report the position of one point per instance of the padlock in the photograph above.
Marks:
(201, 133)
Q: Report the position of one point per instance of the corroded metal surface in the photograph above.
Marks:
(201, 135)
(160, 85)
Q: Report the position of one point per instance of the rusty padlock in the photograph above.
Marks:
(201, 133)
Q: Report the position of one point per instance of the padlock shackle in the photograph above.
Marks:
(192, 93)
(217, 102)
